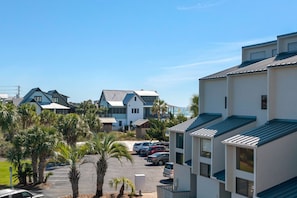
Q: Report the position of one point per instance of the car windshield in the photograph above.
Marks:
(168, 166)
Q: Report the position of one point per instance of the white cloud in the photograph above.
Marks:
(200, 5)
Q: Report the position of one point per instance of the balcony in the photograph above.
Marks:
(167, 191)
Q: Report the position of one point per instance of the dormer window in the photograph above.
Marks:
(257, 55)
(55, 99)
(292, 47)
(38, 98)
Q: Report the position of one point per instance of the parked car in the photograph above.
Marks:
(159, 158)
(154, 149)
(168, 170)
(18, 193)
(141, 145)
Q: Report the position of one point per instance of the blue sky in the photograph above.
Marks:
(81, 47)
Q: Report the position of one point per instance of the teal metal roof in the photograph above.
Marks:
(287, 189)
(225, 126)
(195, 122)
(266, 133)
(220, 175)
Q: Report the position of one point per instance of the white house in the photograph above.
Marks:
(127, 106)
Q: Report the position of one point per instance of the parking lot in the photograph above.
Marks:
(59, 184)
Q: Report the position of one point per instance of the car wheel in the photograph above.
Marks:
(160, 162)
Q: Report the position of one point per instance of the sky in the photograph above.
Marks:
(80, 48)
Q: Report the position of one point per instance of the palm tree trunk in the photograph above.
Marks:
(34, 159)
(41, 167)
(74, 176)
(101, 170)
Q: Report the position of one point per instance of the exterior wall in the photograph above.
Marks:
(141, 132)
(218, 152)
(132, 104)
(212, 95)
(182, 177)
(282, 95)
(172, 146)
(245, 93)
(187, 146)
(207, 187)
(275, 162)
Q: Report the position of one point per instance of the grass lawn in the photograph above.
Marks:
(4, 174)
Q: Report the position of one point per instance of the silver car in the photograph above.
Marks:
(18, 193)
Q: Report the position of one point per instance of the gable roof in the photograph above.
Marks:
(107, 120)
(195, 122)
(30, 93)
(286, 189)
(264, 134)
(225, 126)
(146, 93)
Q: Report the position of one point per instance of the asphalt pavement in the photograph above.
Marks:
(152, 176)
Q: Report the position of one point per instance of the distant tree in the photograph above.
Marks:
(194, 108)
(72, 127)
(159, 108)
(157, 130)
(28, 115)
(48, 118)
(8, 120)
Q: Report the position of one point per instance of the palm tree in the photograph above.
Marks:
(8, 119)
(48, 118)
(72, 127)
(106, 147)
(159, 108)
(194, 108)
(48, 138)
(27, 114)
(125, 184)
(72, 155)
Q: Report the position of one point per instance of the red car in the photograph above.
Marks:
(155, 149)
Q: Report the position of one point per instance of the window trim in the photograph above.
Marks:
(203, 152)
(204, 166)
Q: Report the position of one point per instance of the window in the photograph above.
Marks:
(245, 159)
(205, 148)
(55, 99)
(120, 123)
(179, 158)
(204, 170)
(38, 98)
(180, 140)
(274, 52)
(264, 102)
(257, 55)
(225, 102)
(135, 110)
(292, 47)
(135, 98)
(244, 187)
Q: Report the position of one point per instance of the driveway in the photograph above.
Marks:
(59, 184)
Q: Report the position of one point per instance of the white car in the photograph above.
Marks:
(141, 145)
(18, 193)
(168, 170)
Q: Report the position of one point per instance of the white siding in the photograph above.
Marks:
(182, 177)
(207, 187)
(245, 92)
(276, 162)
(134, 104)
(282, 93)
(212, 95)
